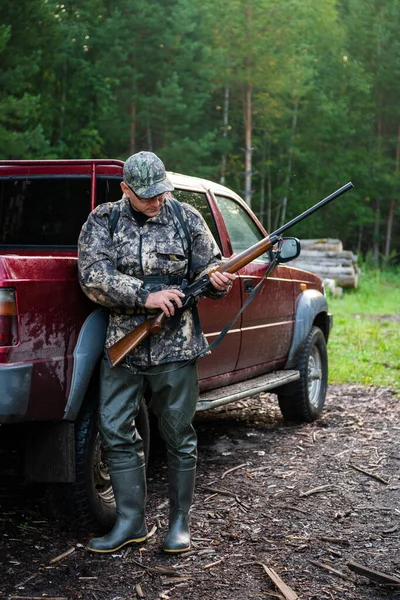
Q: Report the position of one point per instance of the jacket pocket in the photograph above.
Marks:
(171, 259)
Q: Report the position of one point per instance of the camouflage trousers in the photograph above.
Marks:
(174, 395)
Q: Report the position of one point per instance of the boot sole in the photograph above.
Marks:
(176, 551)
(135, 541)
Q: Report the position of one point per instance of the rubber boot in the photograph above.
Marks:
(130, 497)
(181, 488)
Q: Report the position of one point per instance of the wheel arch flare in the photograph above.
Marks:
(311, 309)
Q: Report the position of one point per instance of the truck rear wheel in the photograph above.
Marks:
(303, 400)
(90, 499)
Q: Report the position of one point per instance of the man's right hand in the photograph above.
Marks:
(166, 300)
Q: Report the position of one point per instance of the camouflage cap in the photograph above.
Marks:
(145, 174)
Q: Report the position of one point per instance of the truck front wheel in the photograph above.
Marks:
(303, 400)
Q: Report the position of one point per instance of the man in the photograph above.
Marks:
(133, 258)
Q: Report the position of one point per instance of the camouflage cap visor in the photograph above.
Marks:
(155, 189)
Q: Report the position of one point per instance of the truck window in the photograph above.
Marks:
(108, 189)
(199, 201)
(242, 230)
(43, 210)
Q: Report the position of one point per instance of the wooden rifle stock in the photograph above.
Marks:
(117, 352)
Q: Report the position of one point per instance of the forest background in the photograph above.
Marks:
(282, 100)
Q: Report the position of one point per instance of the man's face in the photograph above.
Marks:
(148, 206)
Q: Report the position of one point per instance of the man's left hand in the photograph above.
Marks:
(222, 281)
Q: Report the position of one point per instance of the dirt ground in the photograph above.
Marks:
(301, 501)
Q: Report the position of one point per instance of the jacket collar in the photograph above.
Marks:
(163, 217)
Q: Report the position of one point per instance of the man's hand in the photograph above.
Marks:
(222, 281)
(165, 300)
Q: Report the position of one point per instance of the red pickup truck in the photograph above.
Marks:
(52, 336)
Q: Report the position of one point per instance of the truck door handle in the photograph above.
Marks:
(248, 286)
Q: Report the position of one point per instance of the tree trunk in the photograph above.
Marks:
(248, 104)
(269, 206)
(248, 148)
(389, 228)
(262, 180)
(132, 137)
(63, 100)
(225, 135)
(392, 207)
(149, 137)
(290, 163)
(359, 240)
(375, 247)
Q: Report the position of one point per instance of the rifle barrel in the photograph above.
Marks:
(314, 208)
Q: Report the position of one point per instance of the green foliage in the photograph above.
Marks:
(109, 77)
(365, 342)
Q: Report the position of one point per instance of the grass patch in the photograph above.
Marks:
(364, 346)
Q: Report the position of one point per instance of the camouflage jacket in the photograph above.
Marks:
(110, 264)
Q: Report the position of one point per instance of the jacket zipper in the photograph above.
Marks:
(142, 272)
(140, 249)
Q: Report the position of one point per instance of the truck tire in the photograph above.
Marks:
(303, 400)
(89, 501)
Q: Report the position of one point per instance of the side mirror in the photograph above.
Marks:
(290, 250)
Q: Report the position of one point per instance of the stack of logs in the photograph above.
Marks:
(326, 258)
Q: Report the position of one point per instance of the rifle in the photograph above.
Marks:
(117, 352)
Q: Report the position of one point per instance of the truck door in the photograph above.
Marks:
(267, 324)
(215, 314)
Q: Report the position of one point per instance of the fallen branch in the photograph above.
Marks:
(332, 540)
(242, 504)
(317, 490)
(164, 571)
(61, 556)
(287, 592)
(158, 570)
(336, 553)
(213, 564)
(260, 469)
(391, 530)
(30, 578)
(37, 598)
(152, 531)
(210, 497)
(288, 507)
(373, 575)
(380, 479)
(217, 491)
(226, 493)
(330, 569)
(233, 469)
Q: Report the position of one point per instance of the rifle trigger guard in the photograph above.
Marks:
(188, 302)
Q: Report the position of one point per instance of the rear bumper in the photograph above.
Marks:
(15, 386)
